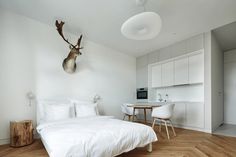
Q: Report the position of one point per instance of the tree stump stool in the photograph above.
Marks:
(21, 133)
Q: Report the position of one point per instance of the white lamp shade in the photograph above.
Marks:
(143, 26)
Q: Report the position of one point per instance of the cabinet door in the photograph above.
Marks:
(196, 68)
(156, 75)
(179, 114)
(167, 74)
(195, 115)
(181, 71)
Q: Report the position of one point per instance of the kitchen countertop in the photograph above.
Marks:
(155, 102)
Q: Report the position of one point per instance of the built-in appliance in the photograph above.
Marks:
(142, 93)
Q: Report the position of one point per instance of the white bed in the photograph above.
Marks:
(93, 136)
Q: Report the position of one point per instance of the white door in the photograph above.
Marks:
(156, 75)
(179, 114)
(167, 74)
(181, 71)
(195, 115)
(196, 68)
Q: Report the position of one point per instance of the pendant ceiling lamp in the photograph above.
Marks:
(142, 26)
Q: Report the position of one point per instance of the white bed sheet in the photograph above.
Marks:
(97, 136)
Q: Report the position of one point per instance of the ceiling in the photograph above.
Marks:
(100, 20)
(226, 36)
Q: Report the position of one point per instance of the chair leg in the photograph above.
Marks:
(153, 124)
(145, 116)
(124, 117)
(172, 127)
(167, 132)
(160, 126)
(129, 117)
(132, 117)
(133, 114)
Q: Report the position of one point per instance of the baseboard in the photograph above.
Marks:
(229, 123)
(7, 140)
(4, 141)
(192, 128)
(186, 127)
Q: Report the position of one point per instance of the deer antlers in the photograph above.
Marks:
(59, 26)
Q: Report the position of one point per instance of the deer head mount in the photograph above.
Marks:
(69, 63)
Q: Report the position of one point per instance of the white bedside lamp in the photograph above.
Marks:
(30, 95)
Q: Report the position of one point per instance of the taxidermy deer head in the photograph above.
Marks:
(69, 63)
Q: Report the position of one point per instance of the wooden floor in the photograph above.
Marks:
(186, 144)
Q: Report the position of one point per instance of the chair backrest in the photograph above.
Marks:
(165, 111)
(128, 110)
(123, 108)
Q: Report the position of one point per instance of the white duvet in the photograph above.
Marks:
(98, 136)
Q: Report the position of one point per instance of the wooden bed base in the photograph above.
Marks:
(149, 147)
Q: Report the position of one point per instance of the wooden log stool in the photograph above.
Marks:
(21, 133)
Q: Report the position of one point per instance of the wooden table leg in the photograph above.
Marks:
(133, 114)
(145, 118)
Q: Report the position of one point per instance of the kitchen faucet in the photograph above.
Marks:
(160, 98)
(167, 98)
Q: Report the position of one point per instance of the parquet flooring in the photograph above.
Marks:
(187, 143)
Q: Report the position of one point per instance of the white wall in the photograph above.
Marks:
(31, 60)
(217, 83)
(213, 82)
(142, 72)
(207, 81)
(17, 71)
(230, 87)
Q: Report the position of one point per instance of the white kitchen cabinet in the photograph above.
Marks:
(188, 69)
(196, 68)
(156, 75)
(195, 115)
(178, 117)
(167, 74)
(181, 71)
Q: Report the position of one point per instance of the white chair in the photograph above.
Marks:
(128, 111)
(163, 114)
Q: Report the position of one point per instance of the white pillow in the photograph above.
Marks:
(41, 105)
(85, 110)
(56, 112)
(87, 103)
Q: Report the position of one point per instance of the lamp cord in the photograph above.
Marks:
(142, 3)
